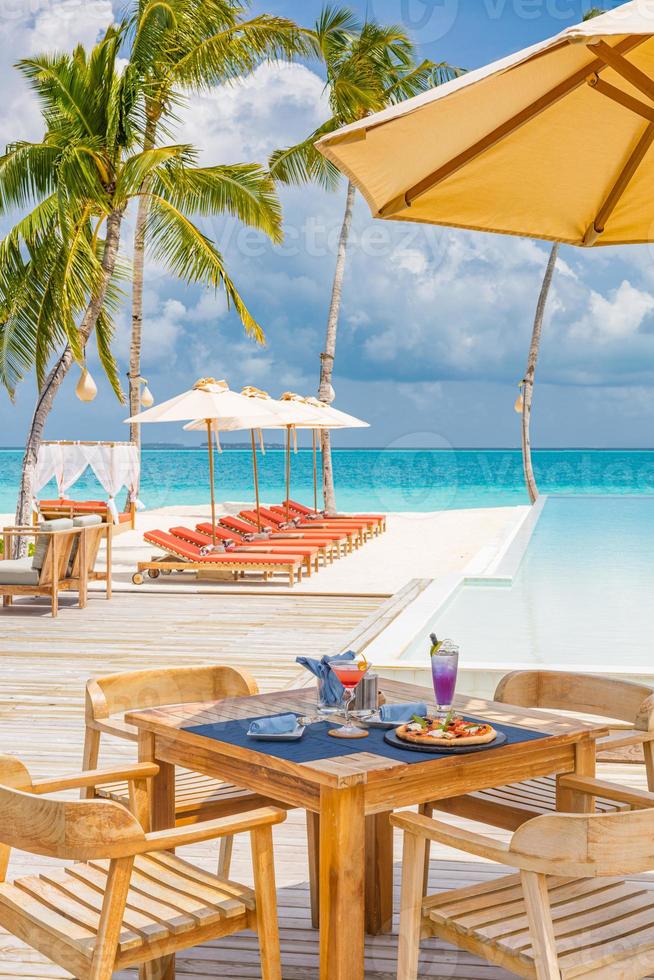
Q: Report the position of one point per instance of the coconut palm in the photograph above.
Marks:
(189, 45)
(527, 383)
(61, 260)
(368, 67)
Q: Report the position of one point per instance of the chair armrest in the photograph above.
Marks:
(164, 840)
(96, 777)
(639, 799)
(462, 840)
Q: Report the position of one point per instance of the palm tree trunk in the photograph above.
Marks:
(528, 382)
(138, 263)
(325, 392)
(56, 376)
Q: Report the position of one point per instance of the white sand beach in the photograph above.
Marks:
(415, 545)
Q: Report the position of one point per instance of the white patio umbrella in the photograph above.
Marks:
(263, 412)
(330, 418)
(212, 402)
(555, 141)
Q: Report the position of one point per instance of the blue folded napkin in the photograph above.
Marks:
(275, 725)
(402, 713)
(331, 689)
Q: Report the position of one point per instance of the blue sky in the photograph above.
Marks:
(435, 323)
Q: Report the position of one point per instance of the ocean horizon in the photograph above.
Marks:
(420, 480)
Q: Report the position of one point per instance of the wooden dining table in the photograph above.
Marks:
(349, 798)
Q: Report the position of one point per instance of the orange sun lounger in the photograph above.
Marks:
(302, 510)
(366, 527)
(183, 556)
(329, 548)
(202, 537)
(269, 519)
(356, 534)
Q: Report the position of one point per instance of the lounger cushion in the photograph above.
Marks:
(41, 545)
(18, 571)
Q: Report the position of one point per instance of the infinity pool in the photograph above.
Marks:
(582, 596)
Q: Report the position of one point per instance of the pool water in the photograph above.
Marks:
(582, 597)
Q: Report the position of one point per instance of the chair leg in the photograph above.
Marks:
(427, 810)
(225, 856)
(413, 863)
(313, 845)
(7, 600)
(537, 902)
(111, 919)
(266, 898)
(161, 969)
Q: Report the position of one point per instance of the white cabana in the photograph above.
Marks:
(115, 465)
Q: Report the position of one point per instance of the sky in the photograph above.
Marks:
(435, 323)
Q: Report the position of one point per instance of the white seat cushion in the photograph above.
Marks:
(18, 571)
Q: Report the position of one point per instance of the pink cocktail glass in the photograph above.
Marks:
(444, 669)
(349, 673)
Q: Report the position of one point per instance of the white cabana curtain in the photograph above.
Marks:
(115, 466)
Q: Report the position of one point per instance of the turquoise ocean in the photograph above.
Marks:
(373, 479)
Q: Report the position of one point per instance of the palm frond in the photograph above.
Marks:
(303, 164)
(244, 190)
(180, 245)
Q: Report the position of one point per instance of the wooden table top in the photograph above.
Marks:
(168, 724)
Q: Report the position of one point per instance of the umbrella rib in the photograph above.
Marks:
(507, 128)
(623, 98)
(612, 57)
(628, 172)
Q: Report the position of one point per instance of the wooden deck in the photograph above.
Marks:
(44, 665)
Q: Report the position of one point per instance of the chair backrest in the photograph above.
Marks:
(57, 555)
(93, 531)
(118, 693)
(593, 845)
(69, 830)
(583, 693)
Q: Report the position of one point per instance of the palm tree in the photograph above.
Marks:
(527, 383)
(80, 179)
(368, 67)
(188, 45)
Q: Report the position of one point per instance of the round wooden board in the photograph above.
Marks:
(398, 743)
(334, 732)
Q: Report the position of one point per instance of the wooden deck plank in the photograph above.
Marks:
(45, 665)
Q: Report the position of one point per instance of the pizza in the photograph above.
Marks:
(451, 733)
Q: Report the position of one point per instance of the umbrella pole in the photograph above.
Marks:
(256, 478)
(211, 481)
(315, 472)
(288, 472)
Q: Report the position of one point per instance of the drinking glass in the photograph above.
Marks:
(349, 673)
(444, 668)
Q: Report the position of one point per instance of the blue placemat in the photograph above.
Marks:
(317, 744)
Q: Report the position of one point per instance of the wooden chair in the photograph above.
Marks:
(52, 575)
(630, 707)
(127, 900)
(568, 913)
(198, 797)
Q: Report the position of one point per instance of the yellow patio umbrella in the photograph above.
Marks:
(553, 142)
(213, 403)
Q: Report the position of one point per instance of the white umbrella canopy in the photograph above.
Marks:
(555, 141)
(214, 403)
(258, 411)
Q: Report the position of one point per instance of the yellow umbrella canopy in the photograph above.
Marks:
(553, 142)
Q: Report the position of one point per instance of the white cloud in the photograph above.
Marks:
(277, 105)
(617, 316)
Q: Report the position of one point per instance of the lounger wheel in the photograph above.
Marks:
(166, 571)
(137, 578)
(152, 573)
